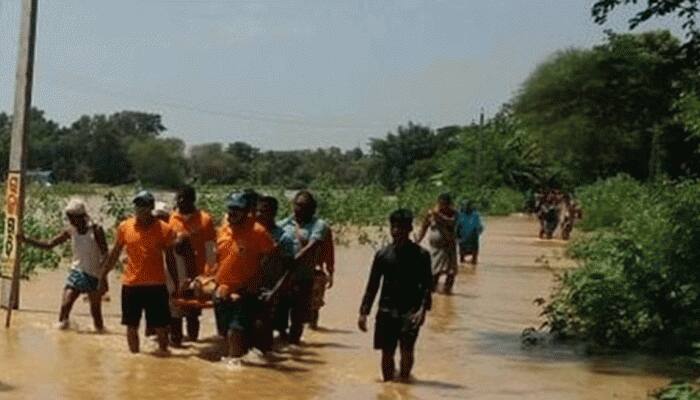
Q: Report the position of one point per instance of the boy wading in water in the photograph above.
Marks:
(145, 239)
(404, 270)
(89, 249)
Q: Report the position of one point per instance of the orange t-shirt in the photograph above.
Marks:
(239, 253)
(200, 228)
(144, 251)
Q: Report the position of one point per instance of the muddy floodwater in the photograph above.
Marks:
(470, 347)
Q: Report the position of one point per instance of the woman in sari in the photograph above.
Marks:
(441, 222)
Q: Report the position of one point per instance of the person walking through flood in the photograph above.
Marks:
(403, 268)
(441, 221)
(307, 232)
(179, 271)
(548, 215)
(570, 212)
(324, 270)
(469, 228)
(273, 274)
(241, 248)
(197, 227)
(146, 240)
(89, 248)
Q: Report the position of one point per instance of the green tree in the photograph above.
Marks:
(209, 163)
(610, 109)
(686, 10)
(158, 161)
(394, 155)
(498, 154)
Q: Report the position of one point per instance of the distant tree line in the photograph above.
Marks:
(628, 105)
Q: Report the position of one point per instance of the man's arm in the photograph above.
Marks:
(55, 241)
(427, 281)
(101, 239)
(110, 260)
(375, 276)
(424, 227)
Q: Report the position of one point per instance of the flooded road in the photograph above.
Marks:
(469, 348)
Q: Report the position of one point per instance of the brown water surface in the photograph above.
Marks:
(469, 348)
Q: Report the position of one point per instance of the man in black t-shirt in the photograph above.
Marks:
(404, 270)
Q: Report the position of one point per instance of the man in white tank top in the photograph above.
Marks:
(89, 249)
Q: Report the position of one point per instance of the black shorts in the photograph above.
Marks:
(390, 330)
(152, 298)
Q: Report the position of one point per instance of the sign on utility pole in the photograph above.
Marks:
(14, 194)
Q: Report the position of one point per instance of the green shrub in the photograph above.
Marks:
(677, 390)
(606, 203)
(639, 282)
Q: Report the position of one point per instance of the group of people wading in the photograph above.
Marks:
(555, 209)
(259, 275)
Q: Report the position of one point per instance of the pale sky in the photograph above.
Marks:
(283, 74)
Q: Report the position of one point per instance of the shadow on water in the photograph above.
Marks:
(215, 348)
(322, 329)
(434, 384)
(73, 313)
(509, 344)
(463, 295)
(333, 345)
(4, 387)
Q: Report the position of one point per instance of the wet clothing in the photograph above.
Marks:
(295, 307)
(81, 281)
(240, 251)
(153, 299)
(144, 250)
(86, 254)
(200, 229)
(443, 245)
(406, 279)
(301, 235)
(390, 329)
(549, 219)
(232, 315)
(469, 228)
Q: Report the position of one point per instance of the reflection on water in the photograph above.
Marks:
(469, 348)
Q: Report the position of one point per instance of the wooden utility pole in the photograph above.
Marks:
(481, 146)
(14, 195)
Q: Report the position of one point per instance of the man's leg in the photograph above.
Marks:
(69, 297)
(236, 343)
(449, 282)
(281, 317)
(96, 310)
(301, 308)
(475, 257)
(162, 333)
(407, 345)
(158, 313)
(132, 338)
(296, 329)
(313, 324)
(388, 367)
(176, 331)
(192, 327)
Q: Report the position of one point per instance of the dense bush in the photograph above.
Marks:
(607, 203)
(639, 282)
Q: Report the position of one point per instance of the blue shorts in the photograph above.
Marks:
(81, 281)
(232, 315)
